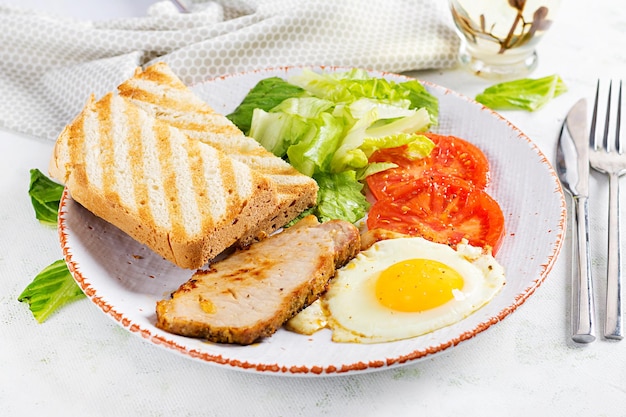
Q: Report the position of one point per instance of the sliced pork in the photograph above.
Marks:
(251, 293)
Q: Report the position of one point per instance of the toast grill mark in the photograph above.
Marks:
(233, 203)
(150, 171)
(136, 153)
(167, 154)
(199, 183)
(106, 161)
(117, 183)
(88, 163)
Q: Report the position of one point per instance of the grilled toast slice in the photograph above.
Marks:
(161, 93)
(250, 294)
(183, 198)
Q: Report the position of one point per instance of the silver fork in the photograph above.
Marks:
(611, 160)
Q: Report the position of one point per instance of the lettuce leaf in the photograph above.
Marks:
(418, 146)
(45, 196)
(356, 147)
(340, 196)
(421, 98)
(307, 107)
(278, 131)
(523, 94)
(267, 94)
(351, 85)
(51, 289)
(313, 155)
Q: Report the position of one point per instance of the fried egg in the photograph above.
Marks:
(402, 288)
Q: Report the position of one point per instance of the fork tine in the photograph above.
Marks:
(594, 118)
(605, 138)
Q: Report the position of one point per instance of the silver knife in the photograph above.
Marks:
(572, 166)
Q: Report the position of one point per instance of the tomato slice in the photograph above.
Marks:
(451, 156)
(443, 209)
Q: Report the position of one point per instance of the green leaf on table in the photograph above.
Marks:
(51, 289)
(45, 196)
(523, 94)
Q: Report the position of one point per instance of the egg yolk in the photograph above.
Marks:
(416, 285)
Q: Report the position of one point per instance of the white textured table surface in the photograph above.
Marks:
(81, 363)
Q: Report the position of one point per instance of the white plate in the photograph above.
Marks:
(125, 279)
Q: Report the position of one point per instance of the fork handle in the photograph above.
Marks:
(583, 328)
(613, 328)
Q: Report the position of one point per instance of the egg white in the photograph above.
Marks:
(350, 308)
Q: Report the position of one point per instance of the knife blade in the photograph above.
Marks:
(573, 171)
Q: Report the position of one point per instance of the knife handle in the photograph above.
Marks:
(583, 310)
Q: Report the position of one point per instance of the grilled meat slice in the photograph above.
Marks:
(250, 294)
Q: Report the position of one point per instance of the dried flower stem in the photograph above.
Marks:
(507, 41)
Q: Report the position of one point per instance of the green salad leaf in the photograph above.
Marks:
(327, 125)
(340, 197)
(525, 94)
(51, 289)
(351, 153)
(45, 196)
(347, 87)
(417, 147)
(267, 94)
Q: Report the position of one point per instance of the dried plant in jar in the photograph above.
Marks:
(520, 32)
